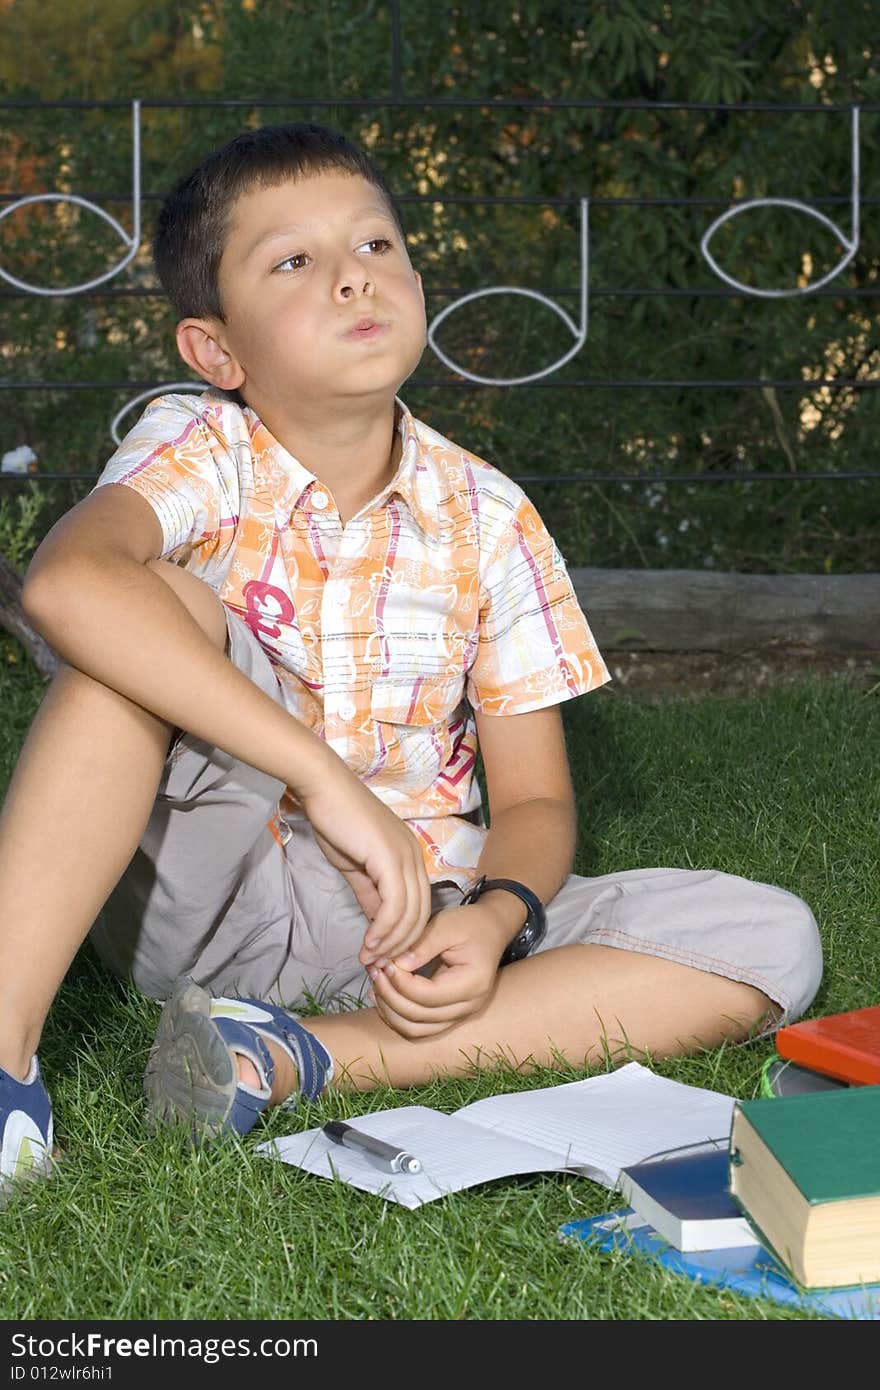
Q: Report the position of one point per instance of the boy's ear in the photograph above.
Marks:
(201, 348)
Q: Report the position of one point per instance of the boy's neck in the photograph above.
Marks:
(355, 455)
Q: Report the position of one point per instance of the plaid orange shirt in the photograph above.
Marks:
(444, 594)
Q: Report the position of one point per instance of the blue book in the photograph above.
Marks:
(686, 1198)
(751, 1270)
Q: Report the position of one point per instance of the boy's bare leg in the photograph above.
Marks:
(581, 1003)
(76, 809)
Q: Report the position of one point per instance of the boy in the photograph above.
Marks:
(287, 611)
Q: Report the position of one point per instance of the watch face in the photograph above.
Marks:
(524, 943)
(530, 936)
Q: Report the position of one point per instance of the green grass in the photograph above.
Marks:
(779, 786)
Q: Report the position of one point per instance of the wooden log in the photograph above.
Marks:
(656, 610)
(678, 610)
(14, 621)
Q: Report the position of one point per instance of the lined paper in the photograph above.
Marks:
(595, 1127)
(608, 1122)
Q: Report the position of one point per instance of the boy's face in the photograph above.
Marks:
(305, 264)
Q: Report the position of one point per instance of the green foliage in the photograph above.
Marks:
(644, 324)
(101, 49)
(19, 525)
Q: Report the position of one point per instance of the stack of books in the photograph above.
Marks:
(805, 1169)
(805, 1166)
(800, 1178)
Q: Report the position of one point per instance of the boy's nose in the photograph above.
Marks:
(353, 277)
(350, 286)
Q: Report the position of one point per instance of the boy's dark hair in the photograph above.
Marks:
(193, 223)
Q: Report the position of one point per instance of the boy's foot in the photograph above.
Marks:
(192, 1072)
(25, 1129)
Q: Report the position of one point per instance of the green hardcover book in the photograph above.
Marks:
(806, 1171)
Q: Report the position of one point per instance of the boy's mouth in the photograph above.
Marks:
(366, 328)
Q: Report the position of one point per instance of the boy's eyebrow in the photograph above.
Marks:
(371, 210)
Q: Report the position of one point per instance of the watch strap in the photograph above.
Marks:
(536, 921)
(510, 885)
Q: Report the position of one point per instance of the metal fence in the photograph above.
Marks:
(578, 297)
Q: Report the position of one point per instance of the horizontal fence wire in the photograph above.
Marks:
(566, 479)
(662, 383)
(489, 103)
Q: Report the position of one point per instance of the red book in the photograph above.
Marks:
(843, 1045)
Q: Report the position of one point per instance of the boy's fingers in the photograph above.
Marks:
(405, 1027)
(419, 954)
(393, 895)
(410, 926)
(400, 941)
(414, 988)
(416, 997)
(407, 924)
(413, 1014)
(440, 935)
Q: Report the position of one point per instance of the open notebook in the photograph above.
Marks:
(594, 1127)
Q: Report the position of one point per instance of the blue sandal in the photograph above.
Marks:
(25, 1129)
(191, 1071)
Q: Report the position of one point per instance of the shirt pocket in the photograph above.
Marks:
(424, 702)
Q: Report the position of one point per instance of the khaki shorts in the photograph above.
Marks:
(222, 890)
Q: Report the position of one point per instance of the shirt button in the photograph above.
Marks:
(347, 709)
(320, 500)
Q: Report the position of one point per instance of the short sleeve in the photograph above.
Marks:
(177, 464)
(534, 644)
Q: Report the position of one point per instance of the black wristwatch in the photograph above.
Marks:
(535, 928)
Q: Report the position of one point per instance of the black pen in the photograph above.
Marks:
(391, 1156)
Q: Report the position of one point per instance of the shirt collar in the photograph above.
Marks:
(413, 481)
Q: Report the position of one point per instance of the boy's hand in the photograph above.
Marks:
(379, 856)
(467, 944)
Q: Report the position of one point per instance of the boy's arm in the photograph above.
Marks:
(532, 815)
(91, 592)
(531, 839)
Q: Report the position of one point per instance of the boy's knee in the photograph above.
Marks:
(804, 954)
(197, 597)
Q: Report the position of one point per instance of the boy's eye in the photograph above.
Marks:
(288, 259)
